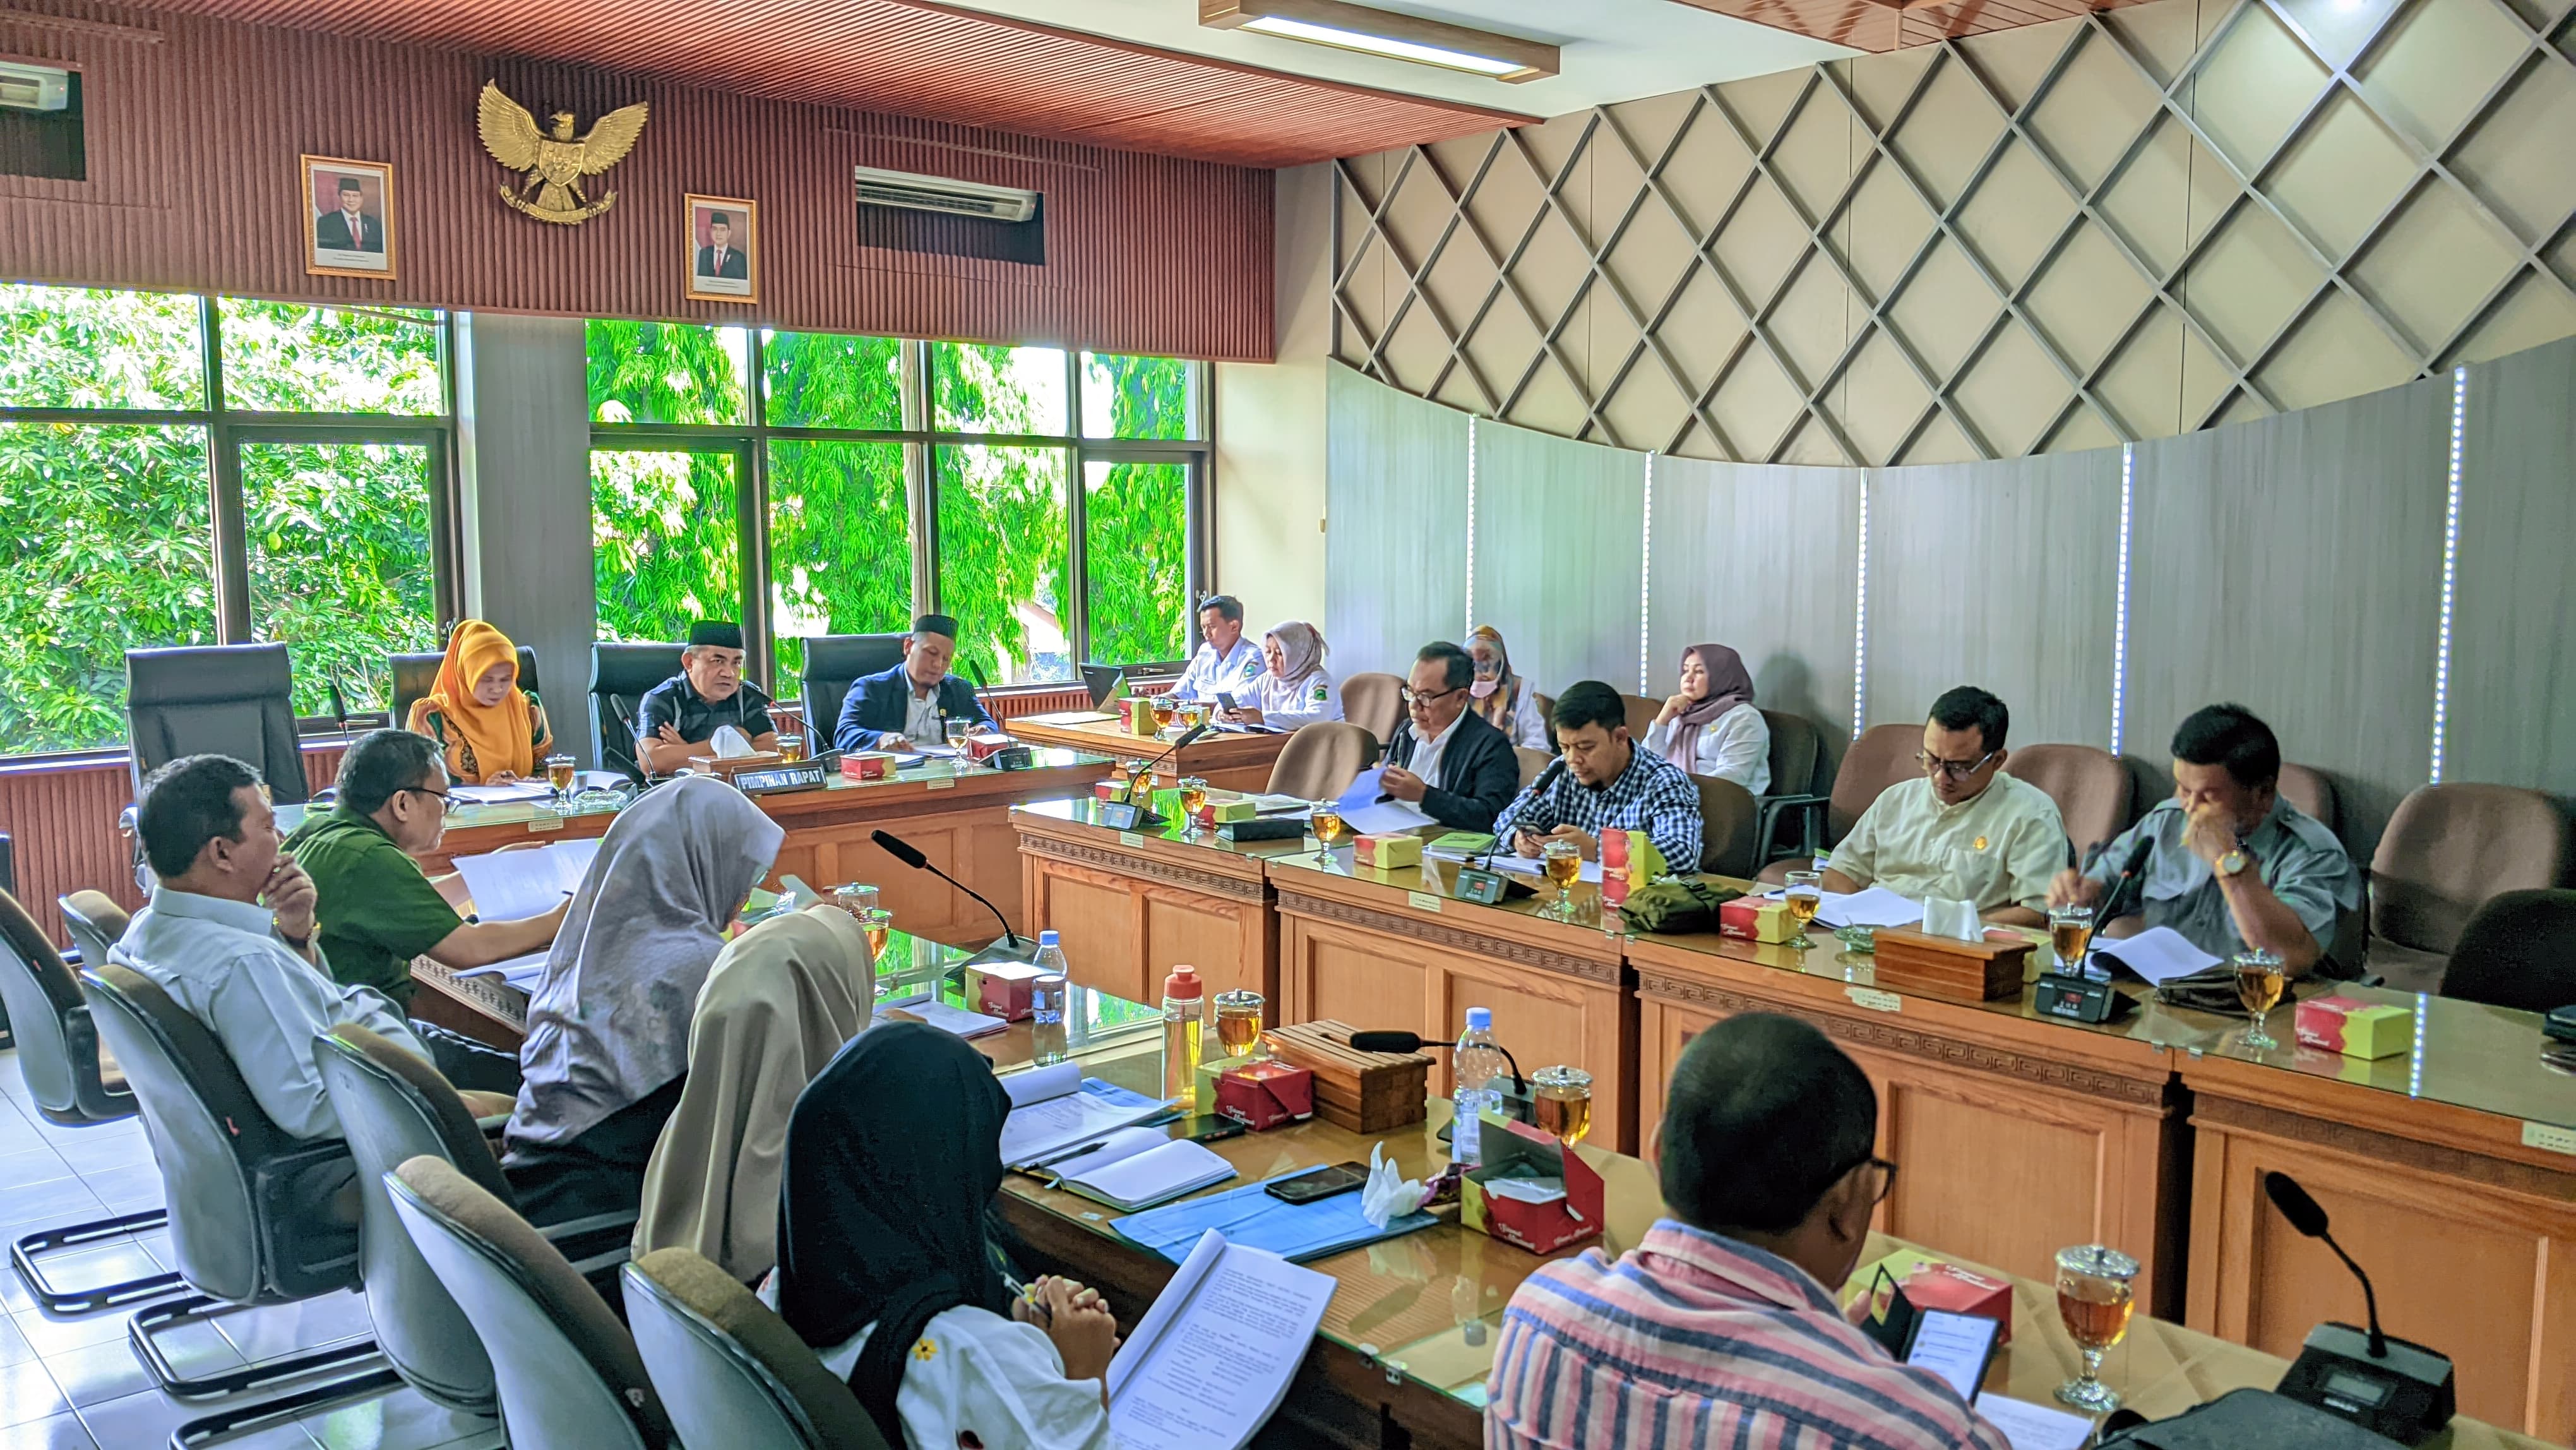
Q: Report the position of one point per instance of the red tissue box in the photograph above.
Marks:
(1513, 1149)
(1266, 1095)
(1940, 1285)
(867, 764)
(1001, 989)
(985, 744)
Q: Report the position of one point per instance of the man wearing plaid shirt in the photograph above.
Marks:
(1607, 784)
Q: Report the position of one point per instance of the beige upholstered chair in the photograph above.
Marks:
(1532, 762)
(2446, 851)
(1322, 760)
(1375, 703)
(2090, 785)
(729, 1369)
(1883, 756)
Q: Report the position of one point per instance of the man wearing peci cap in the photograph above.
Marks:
(677, 717)
(910, 704)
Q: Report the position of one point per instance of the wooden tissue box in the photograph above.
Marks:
(1941, 966)
(1364, 1092)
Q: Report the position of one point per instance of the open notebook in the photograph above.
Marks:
(1140, 1167)
(1209, 1363)
(1056, 1112)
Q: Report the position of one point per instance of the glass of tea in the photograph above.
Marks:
(560, 774)
(1805, 895)
(1561, 1101)
(1193, 797)
(1238, 1024)
(955, 732)
(855, 898)
(791, 746)
(1325, 821)
(2070, 931)
(2094, 1285)
(1564, 866)
(876, 921)
(2260, 980)
(1166, 709)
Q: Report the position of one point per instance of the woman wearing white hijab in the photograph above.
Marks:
(1296, 690)
(608, 1025)
(781, 1000)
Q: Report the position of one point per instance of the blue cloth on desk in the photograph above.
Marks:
(1249, 1216)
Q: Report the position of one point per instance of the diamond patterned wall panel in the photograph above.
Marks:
(2126, 226)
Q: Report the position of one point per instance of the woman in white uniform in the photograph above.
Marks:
(1296, 689)
(1709, 727)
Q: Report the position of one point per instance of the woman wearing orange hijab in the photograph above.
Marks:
(492, 730)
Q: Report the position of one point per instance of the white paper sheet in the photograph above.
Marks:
(1123, 1144)
(1508, 860)
(509, 885)
(956, 1021)
(2035, 1427)
(1871, 906)
(1041, 1083)
(1366, 815)
(1040, 1130)
(2158, 954)
(491, 795)
(1526, 1190)
(521, 972)
(1210, 1361)
(1954, 1346)
(1141, 1180)
(1278, 805)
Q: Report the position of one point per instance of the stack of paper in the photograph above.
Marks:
(492, 795)
(521, 972)
(1209, 1363)
(956, 1021)
(2035, 1427)
(1056, 1111)
(1157, 1175)
(509, 885)
(2158, 954)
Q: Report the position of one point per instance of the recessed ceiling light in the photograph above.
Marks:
(1383, 32)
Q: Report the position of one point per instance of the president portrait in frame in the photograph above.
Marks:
(724, 249)
(348, 218)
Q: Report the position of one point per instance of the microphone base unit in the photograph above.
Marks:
(2078, 999)
(2406, 1396)
(1005, 949)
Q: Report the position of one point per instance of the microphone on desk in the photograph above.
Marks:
(625, 717)
(2128, 876)
(2392, 1387)
(1385, 1041)
(2309, 1218)
(910, 855)
(340, 703)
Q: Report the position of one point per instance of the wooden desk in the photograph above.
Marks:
(1227, 761)
(1130, 905)
(1397, 950)
(2450, 1173)
(2018, 1134)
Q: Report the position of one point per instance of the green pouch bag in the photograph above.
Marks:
(1675, 906)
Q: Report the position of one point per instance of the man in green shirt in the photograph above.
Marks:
(375, 910)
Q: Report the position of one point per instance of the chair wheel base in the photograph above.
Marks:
(242, 1421)
(22, 1257)
(199, 1309)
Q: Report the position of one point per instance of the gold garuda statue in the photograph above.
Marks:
(554, 162)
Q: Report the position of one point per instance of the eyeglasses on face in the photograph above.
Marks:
(448, 805)
(1886, 1177)
(1955, 769)
(1413, 697)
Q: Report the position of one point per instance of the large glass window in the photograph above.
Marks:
(1135, 546)
(1138, 397)
(665, 541)
(307, 503)
(1002, 561)
(666, 372)
(840, 545)
(979, 389)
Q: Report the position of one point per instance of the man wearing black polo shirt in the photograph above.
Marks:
(677, 717)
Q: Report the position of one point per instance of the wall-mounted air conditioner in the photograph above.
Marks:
(915, 192)
(34, 87)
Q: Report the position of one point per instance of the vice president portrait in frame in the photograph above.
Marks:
(349, 225)
(724, 249)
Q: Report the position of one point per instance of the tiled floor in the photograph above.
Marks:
(71, 1382)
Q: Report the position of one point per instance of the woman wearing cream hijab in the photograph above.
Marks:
(492, 730)
(781, 1000)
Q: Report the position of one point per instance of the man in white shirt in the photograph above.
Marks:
(1965, 831)
(1227, 663)
(229, 935)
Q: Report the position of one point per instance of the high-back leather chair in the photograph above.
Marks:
(1641, 716)
(729, 1369)
(96, 923)
(1883, 756)
(566, 1370)
(73, 1085)
(1546, 716)
(620, 674)
(1532, 762)
(1795, 745)
(1322, 760)
(2313, 792)
(415, 675)
(1727, 815)
(834, 662)
(254, 1215)
(2446, 850)
(2091, 786)
(226, 699)
(2518, 951)
(1375, 703)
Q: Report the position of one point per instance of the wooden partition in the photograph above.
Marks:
(1132, 906)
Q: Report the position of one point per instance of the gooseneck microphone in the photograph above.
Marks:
(2309, 1217)
(910, 855)
(1383, 1041)
(2120, 885)
(1188, 737)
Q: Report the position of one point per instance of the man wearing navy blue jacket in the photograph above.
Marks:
(909, 705)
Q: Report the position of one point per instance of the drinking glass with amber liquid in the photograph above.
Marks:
(1564, 866)
(2070, 932)
(1805, 896)
(1561, 1102)
(2094, 1284)
(2260, 980)
(1238, 1024)
(1326, 822)
(560, 774)
(1193, 796)
(876, 921)
(791, 746)
(1166, 709)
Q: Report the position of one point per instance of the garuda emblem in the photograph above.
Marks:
(554, 162)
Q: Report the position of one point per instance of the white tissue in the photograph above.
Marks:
(1387, 1194)
(729, 743)
(1956, 919)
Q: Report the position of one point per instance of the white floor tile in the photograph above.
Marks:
(53, 1334)
(277, 1330)
(58, 1134)
(28, 1393)
(402, 1420)
(56, 1432)
(17, 1134)
(95, 1154)
(66, 1199)
(98, 1373)
(106, 1262)
(14, 1348)
(30, 1165)
(127, 1189)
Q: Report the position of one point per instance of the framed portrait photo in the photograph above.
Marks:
(349, 226)
(724, 249)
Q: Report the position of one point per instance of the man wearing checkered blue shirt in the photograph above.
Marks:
(1607, 784)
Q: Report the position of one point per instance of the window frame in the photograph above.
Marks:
(750, 444)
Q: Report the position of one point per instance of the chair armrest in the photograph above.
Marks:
(596, 1244)
(576, 1227)
(1770, 809)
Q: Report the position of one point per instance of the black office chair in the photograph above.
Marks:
(58, 1055)
(833, 662)
(9, 883)
(416, 675)
(231, 699)
(620, 675)
(255, 1215)
(2518, 951)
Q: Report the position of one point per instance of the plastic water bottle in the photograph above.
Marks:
(1184, 1025)
(1046, 1001)
(1475, 1065)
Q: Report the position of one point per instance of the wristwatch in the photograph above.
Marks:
(2234, 862)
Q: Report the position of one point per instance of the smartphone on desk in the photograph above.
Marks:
(1320, 1184)
(1207, 1128)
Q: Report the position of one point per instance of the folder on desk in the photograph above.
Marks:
(1251, 1217)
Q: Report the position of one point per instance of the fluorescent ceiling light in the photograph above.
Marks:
(1383, 32)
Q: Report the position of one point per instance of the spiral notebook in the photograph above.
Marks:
(1157, 1175)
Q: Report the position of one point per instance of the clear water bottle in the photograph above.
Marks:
(1047, 1001)
(1184, 1028)
(1475, 1065)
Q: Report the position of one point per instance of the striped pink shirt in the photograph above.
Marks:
(1696, 1340)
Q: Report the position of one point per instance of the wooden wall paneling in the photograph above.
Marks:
(1128, 912)
(2004, 575)
(1764, 558)
(2294, 565)
(1395, 557)
(2512, 715)
(1558, 552)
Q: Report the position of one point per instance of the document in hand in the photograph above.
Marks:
(2158, 954)
(1367, 815)
(1159, 1174)
(1209, 1363)
(508, 885)
(1057, 1112)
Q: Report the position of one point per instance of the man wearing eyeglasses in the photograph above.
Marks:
(1445, 758)
(374, 909)
(1721, 1327)
(1966, 831)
